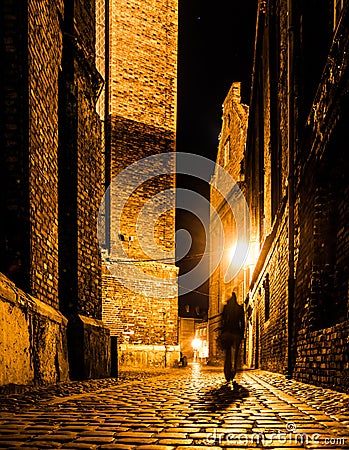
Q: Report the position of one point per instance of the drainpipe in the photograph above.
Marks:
(291, 153)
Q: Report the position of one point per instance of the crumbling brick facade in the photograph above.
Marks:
(141, 123)
(296, 188)
(51, 190)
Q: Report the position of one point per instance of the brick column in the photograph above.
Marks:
(80, 193)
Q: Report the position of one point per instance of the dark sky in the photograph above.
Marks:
(216, 41)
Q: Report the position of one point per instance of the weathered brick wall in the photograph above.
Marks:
(138, 319)
(322, 357)
(143, 70)
(130, 142)
(15, 228)
(266, 186)
(90, 191)
(45, 54)
(320, 310)
(321, 302)
(272, 277)
(80, 167)
(52, 189)
(143, 66)
(80, 194)
(142, 122)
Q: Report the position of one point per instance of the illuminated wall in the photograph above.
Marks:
(141, 122)
(230, 156)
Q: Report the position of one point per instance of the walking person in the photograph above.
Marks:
(232, 332)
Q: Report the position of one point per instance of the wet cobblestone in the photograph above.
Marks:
(181, 408)
(16, 397)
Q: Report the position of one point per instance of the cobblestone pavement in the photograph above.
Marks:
(181, 408)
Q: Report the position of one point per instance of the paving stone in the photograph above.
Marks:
(98, 433)
(134, 434)
(177, 410)
(184, 430)
(155, 447)
(200, 435)
(43, 444)
(117, 446)
(22, 447)
(80, 445)
(136, 441)
(175, 441)
(8, 444)
(95, 439)
(13, 437)
(199, 447)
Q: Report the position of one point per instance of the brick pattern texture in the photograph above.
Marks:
(317, 349)
(45, 54)
(142, 122)
(52, 164)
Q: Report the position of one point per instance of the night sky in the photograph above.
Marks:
(216, 41)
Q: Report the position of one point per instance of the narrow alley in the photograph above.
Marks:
(177, 408)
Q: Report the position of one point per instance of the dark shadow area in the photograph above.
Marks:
(219, 399)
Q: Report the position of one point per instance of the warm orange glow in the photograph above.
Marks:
(196, 343)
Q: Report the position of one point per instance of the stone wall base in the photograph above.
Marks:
(89, 348)
(141, 356)
(33, 343)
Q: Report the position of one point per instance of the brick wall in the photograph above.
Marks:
(45, 54)
(141, 123)
(143, 66)
(321, 301)
(52, 187)
(317, 347)
(130, 142)
(14, 236)
(138, 319)
(34, 346)
(322, 357)
(80, 194)
(89, 178)
(80, 166)
(271, 280)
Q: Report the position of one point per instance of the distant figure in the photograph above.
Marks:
(232, 332)
(183, 360)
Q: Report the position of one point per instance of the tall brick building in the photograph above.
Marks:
(296, 175)
(51, 163)
(230, 156)
(141, 122)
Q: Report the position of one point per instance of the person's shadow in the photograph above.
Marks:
(224, 396)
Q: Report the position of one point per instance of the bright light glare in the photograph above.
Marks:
(196, 343)
(231, 252)
(237, 256)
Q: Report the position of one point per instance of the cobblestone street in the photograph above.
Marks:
(177, 409)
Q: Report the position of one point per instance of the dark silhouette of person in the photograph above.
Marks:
(232, 332)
